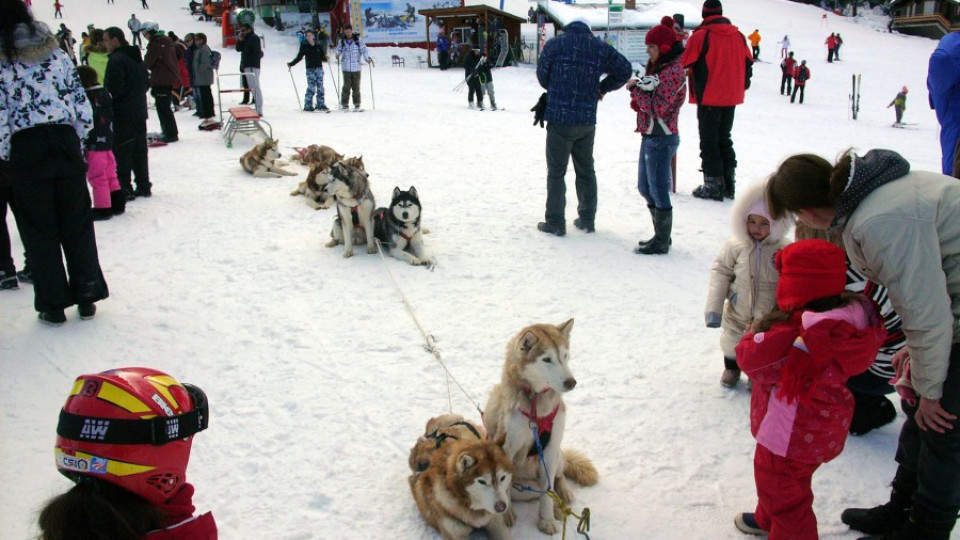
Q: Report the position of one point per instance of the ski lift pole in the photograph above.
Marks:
(295, 91)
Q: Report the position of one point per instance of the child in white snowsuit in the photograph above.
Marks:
(743, 280)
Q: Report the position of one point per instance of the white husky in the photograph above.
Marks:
(536, 372)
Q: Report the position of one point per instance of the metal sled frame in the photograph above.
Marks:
(243, 119)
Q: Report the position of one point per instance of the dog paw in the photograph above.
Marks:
(371, 249)
(547, 526)
(331, 243)
(347, 253)
(509, 518)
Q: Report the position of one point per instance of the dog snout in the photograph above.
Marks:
(405, 214)
(500, 507)
(569, 384)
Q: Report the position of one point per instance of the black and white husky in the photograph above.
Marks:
(397, 227)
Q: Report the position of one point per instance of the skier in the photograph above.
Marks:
(315, 53)
(784, 46)
(755, 43)
(787, 67)
(831, 43)
(471, 67)
(800, 78)
(899, 105)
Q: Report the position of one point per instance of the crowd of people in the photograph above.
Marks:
(820, 325)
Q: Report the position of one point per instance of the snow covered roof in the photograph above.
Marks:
(647, 14)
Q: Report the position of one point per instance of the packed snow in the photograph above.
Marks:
(316, 373)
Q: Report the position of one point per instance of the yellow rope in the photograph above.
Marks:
(583, 527)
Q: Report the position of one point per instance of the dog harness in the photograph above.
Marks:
(442, 438)
(544, 423)
(382, 214)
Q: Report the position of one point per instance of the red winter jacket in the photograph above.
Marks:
(719, 63)
(663, 104)
(788, 65)
(831, 42)
(800, 407)
(801, 75)
(183, 525)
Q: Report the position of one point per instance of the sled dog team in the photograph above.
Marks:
(465, 476)
(337, 181)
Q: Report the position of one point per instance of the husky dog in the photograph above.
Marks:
(349, 188)
(442, 430)
(262, 161)
(466, 486)
(317, 180)
(317, 154)
(536, 372)
(397, 227)
(313, 186)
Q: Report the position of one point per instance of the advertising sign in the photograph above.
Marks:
(395, 22)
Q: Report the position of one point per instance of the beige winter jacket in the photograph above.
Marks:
(905, 235)
(743, 280)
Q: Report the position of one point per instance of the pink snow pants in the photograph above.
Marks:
(102, 176)
(784, 496)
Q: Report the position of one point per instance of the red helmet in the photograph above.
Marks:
(132, 427)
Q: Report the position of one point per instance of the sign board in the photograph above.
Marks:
(395, 22)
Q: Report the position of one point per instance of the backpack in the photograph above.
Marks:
(215, 60)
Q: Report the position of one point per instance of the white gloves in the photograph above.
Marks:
(648, 83)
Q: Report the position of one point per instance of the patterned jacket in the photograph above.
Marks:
(350, 51)
(570, 68)
(658, 111)
(40, 86)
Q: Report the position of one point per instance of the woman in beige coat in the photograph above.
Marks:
(743, 281)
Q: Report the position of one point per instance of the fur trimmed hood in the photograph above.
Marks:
(32, 47)
(745, 200)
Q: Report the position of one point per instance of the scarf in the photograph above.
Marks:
(867, 173)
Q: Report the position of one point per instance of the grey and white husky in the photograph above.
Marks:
(355, 204)
(397, 227)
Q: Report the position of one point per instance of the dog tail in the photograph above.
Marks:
(579, 468)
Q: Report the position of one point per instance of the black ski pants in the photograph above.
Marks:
(716, 145)
(935, 457)
(797, 88)
(474, 87)
(130, 151)
(563, 143)
(786, 82)
(162, 98)
(6, 199)
(55, 220)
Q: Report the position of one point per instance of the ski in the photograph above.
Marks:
(855, 95)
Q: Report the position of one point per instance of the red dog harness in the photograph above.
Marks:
(544, 423)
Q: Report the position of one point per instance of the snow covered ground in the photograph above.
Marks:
(317, 379)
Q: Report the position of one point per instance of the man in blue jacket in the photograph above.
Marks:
(943, 83)
(570, 68)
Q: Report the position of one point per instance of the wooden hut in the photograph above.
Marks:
(478, 25)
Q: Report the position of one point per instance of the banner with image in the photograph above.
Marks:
(396, 22)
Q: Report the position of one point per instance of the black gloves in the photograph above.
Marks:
(539, 109)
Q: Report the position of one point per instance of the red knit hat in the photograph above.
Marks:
(663, 35)
(809, 269)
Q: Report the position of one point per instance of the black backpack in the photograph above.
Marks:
(215, 60)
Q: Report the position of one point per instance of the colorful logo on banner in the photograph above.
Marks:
(396, 22)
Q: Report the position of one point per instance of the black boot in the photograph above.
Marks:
(923, 524)
(653, 218)
(118, 202)
(662, 226)
(102, 214)
(729, 183)
(712, 189)
(886, 518)
(870, 412)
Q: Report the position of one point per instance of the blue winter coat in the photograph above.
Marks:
(570, 68)
(943, 83)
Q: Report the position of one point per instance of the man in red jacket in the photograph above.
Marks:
(720, 65)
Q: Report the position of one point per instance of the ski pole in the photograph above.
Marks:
(336, 88)
(295, 91)
(373, 99)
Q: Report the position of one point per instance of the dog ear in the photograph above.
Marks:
(565, 328)
(465, 461)
(396, 192)
(413, 192)
(527, 341)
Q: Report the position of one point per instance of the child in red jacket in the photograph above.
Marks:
(800, 357)
(124, 439)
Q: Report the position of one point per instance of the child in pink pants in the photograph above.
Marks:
(108, 200)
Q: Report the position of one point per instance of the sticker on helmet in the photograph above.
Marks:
(162, 404)
(90, 464)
